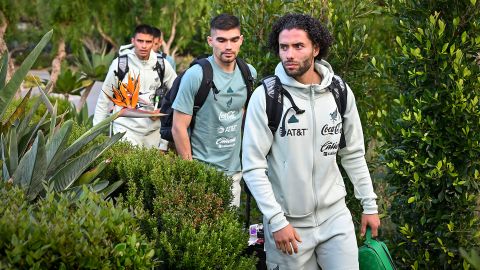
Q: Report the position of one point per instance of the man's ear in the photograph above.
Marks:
(316, 50)
(132, 40)
(209, 41)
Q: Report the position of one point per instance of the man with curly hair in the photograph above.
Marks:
(293, 173)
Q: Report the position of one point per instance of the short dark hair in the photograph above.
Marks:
(317, 33)
(156, 32)
(143, 29)
(224, 22)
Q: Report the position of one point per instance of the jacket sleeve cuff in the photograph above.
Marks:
(278, 222)
(370, 207)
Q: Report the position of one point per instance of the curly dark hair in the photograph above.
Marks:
(317, 33)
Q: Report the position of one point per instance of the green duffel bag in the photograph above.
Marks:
(374, 255)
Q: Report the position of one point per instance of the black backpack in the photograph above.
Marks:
(201, 96)
(122, 70)
(274, 94)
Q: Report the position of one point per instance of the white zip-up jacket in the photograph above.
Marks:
(149, 82)
(295, 177)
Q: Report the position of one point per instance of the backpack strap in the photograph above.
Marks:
(205, 85)
(273, 101)
(247, 77)
(122, 67)
(274, 93)
(338, 88)
(160, 69)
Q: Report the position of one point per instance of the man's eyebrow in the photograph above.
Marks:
(224, 38)
(292, 44)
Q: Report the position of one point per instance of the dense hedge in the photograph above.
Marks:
(190, 218)
(432, 133)
(61, 233)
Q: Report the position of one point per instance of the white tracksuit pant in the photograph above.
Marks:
(331, 246)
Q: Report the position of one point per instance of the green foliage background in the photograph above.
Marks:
(413, 66)
(431, 132)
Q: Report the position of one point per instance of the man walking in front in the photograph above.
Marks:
(293, 173)
(216, 137)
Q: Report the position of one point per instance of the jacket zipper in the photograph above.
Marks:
(312, 105)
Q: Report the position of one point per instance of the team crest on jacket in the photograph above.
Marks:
(334, 115)
(330, 148)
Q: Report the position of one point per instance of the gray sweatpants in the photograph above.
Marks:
(332, 245)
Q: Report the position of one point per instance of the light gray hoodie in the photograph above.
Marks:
(295, 177)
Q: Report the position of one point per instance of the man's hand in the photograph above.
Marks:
(372, 221)
(287, 238)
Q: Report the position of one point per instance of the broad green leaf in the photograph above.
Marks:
(87, 137)
(99, 186)
(445, 46)
(25, 122)
(3, 146)
(411, 199)
(13, 150)
(57, 142)
(89, 176)
(464, 36)
(110, 189)
(3, 70)
(44, 97)
(399, 40)
(69, 173)
(24, 145)
(31, 168)
(8, 92)
(19, 111)
(53, 120)
(39, 171)
(473, 2)
(441, 26)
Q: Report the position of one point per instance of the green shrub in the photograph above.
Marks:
(432, 133)
(63, 106)
(59, 233)
(188, 204)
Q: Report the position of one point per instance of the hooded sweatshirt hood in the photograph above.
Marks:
(321, 67)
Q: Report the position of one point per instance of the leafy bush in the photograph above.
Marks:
(188, 202)
(432, 133)
(59, 233)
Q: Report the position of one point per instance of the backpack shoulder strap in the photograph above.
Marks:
(273, 101)
(339, 92)
(122, 67)
(274, 93)
(205, 85)
(160, 67)
(247, 77)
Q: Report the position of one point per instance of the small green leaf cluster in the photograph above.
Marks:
(57, 232)
(188, 203)
(432, 133)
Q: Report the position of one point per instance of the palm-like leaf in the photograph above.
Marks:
(9, 90)
(31, 169)
(30, 159)
(69, 173)
(3, 70)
